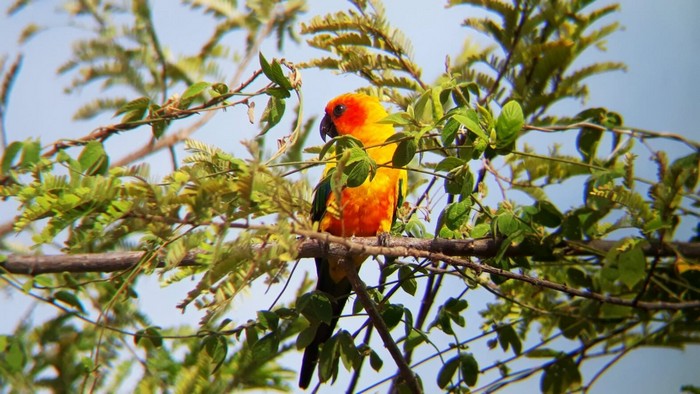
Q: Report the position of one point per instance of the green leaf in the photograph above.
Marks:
(44, 280)
(266, 348)
(220, 88)
(14, 357)
(632, 265)
(408, 282)
(157, 126)
(134, 110)
(612, 120)
(408, 322)
(342, 143)
(547, 214)
(625, 262)
(9, 156)
(507, 337)
(690, 389)
(286, 313)
(278, 92)
(450, 311)
(316, 307)
(423, 110)
(457, 213)
(460, 182)
(306, 337)
(358, 167)
(469, 368)
(328, 359)
(31, 153)
(405, 150)
(273, 71)
(93, 159)
(268, 320)
(272, 114)
(587, 143)
(88, 364)
(138, 104)
(449, 132)
(543, 353)
(470, 120)
(572, 326)
(152, 336)
(415, 227)
(612, 311)
(413, 339)
(216, 348)
(447, 371)
(398, 119)
(578, 277)
(450, 163)
(506, 224)
(155, 337)
(509, 123)
(375, 361)
(224, 323)
(69, 298)
(392, 314)
(480, 230)
(456, 306)
(687, 170)
(348, 351)
(194, 90)
(460, 93)
(561, 376)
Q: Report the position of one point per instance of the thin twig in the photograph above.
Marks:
(632, 132)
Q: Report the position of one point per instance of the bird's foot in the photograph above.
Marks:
(383, 238)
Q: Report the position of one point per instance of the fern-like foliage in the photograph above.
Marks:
(536, 45)
(364, 43)
(125, 51)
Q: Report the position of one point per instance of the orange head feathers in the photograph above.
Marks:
(358, 115)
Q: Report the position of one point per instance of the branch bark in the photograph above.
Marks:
(361, 291)
(321, 244)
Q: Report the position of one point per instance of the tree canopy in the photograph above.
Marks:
(513, 257)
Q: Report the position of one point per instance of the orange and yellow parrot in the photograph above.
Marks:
(366, 210)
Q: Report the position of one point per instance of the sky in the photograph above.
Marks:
(660, 91)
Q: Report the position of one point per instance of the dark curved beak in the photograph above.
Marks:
(327, 128)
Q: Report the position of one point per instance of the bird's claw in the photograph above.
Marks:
(383, 238)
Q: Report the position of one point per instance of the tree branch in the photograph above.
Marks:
(361, 291)
(337, 246)
(323, 244)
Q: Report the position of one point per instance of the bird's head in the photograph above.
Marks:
(350, 114)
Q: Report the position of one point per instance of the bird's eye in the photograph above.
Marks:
(339, 110)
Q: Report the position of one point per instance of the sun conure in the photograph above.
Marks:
(365, 210)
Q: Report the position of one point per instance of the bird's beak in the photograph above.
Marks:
(328, 128)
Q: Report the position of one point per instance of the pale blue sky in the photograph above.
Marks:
(660, 91)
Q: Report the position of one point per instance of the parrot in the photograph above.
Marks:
(366, 210)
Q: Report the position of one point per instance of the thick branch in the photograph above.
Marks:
(323, 244)
(395, 246)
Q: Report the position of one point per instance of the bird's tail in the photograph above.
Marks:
(339, 295)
